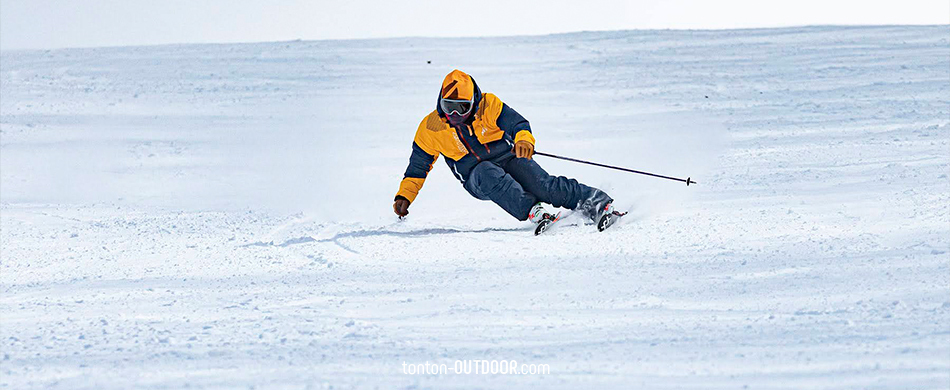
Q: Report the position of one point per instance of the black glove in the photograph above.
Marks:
(401, 206)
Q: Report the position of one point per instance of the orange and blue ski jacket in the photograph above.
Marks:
(487, 135)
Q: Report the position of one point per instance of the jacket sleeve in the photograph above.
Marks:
(514, 125)
(420, 163)
(424, 154)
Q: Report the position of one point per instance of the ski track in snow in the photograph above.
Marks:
(218, 216)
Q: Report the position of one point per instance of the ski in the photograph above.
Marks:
(546, 221)
(608, 219)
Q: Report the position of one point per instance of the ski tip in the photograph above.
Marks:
(609, 219)
(542, 226)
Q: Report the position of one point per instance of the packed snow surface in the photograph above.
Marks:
(219, 216)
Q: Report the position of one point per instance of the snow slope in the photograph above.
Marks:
(219, 216)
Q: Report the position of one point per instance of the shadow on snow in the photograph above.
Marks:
(374, 233)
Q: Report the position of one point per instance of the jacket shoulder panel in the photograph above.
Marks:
(435, 137)
(426, 135)
(433, 122)
(490, 108)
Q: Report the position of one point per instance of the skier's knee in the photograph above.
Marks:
(485, 179)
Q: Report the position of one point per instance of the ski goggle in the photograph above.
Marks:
(456, 106)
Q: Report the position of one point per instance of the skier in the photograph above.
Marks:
(488, 146)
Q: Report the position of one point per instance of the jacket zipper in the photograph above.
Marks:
(467, 146)
(471, 131)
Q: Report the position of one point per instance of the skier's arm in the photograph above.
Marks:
(420, 163)
(517, 128)
(424, 153)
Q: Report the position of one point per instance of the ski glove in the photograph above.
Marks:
(524, 149)
(401, 206)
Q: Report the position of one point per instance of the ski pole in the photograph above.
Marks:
(687, 180)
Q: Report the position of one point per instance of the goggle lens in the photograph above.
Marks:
(458, 107)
